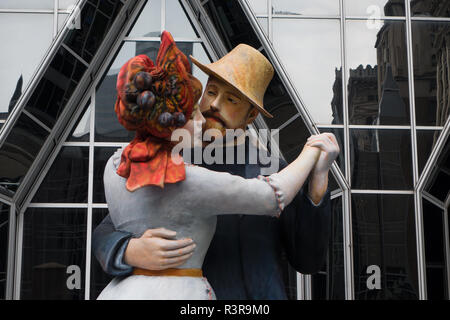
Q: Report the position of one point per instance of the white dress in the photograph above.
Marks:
(188, 207)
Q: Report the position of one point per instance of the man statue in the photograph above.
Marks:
(244, 258)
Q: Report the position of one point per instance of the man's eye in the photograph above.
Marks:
(211, 93)
(232, 100)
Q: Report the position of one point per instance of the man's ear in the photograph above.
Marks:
(252, 114)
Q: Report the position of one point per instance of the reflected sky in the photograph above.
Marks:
(310, 51)
(149, 22)
(27, 4)
(258, 6)
(369, 8)
(24, 45)
(176, 21)
(306, 7)
(361, 39)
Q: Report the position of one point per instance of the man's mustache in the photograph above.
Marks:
(215, 115)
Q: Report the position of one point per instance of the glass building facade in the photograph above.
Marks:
(375, 73)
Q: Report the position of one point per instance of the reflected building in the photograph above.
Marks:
(431, 46)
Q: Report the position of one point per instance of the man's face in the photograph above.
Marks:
(224, 108)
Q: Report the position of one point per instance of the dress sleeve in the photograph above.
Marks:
(209, 192)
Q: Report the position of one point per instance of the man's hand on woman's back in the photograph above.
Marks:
(158, 249)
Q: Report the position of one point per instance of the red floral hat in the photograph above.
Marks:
(154, 100)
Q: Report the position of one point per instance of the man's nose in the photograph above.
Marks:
(215, 106)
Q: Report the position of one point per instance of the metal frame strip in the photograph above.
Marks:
(417, 201)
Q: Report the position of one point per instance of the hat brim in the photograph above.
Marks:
(211, 72)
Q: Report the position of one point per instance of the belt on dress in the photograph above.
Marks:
(174, 272)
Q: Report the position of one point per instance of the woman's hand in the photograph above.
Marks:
(329, 147)
(157, 249)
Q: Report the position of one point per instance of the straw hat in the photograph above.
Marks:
(245, 69)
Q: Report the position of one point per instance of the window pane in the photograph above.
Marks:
(67, 179)
(433, 224)
(62, 20)
(258, 6)
(426, 140)
(329, 282)
(311, 64)
(99, 278)
(200, 54)
(378, 91)
(430, 8)
(374, 9)
(56, 87)
(177, 22)
(82, 128)
(431, 73)
(95, 21)
(54, 254)
(292, 139)
(381, 159)
(27, 4)
(101, 157)
(66, 4)
(306, 7)
(264, 24)
(279, 104)
(107, 127)
(21, 32)
(149, 22)
(384, 237)
(4, 233)
(438, 183)
(18, 153)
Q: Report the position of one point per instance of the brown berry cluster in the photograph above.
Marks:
(140, 94)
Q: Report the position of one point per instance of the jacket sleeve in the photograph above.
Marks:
(108, 246)
(305, 231)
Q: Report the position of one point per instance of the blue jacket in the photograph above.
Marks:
(244, 260)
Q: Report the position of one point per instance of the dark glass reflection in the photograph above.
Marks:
(54, 244)
(81, 130)
(384, 236)
(433, 224)
(378, 91)
(292, 139)
(430, 8)
(329, 282)
(381, 159)
(99, 278)
(96, 18)
(374, 9)
(278, 103)
(101, 157)
(67, 179)
(4, 232)
(426, 140)
(431, 73)
(56, 87)
(438, 183)
(18, 153)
